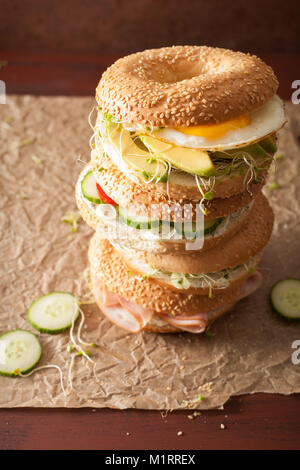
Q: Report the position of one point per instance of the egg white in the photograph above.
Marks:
(264, 121)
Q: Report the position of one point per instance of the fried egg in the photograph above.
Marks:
(233, 133)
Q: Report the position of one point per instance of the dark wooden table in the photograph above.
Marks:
(260, 421)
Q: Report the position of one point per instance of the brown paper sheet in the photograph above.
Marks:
(250, 350)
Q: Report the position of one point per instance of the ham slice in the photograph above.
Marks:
(196, 323)
(122, 318)
(251, 284)
(143, 314)
(134, 318)
(122, 312)
(105, 297)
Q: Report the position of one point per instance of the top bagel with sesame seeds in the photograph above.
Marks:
(185, 86)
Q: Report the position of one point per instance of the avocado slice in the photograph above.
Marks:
(269, 145)
(135, 156)
(256, 150)
(193, 161)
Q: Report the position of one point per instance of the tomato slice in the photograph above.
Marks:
(104, 197)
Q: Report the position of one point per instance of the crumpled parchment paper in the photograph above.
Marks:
(44, 144)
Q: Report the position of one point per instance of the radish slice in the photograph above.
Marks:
(104, 197)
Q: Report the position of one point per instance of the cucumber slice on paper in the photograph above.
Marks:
(53, 313)
(285, 298)
(89, 189)
(19, 350)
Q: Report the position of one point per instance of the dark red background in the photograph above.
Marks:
(122, 26)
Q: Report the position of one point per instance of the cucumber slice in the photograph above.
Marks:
(19, 349)
(88, 188)
(256, 150)
(53, 313)
(209, 227)
(285, 298)
(137, 221)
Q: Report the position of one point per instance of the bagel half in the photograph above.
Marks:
(141, 239)
(143, 200)
(163, 306)
(236, 250)
(181, 185)
(109, 267)
(185, 85)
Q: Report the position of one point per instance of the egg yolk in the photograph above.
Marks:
(214, 131)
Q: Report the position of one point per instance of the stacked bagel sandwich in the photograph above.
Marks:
(183, 140)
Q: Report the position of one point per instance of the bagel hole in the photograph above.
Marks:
(178, 78)
(175, 73)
